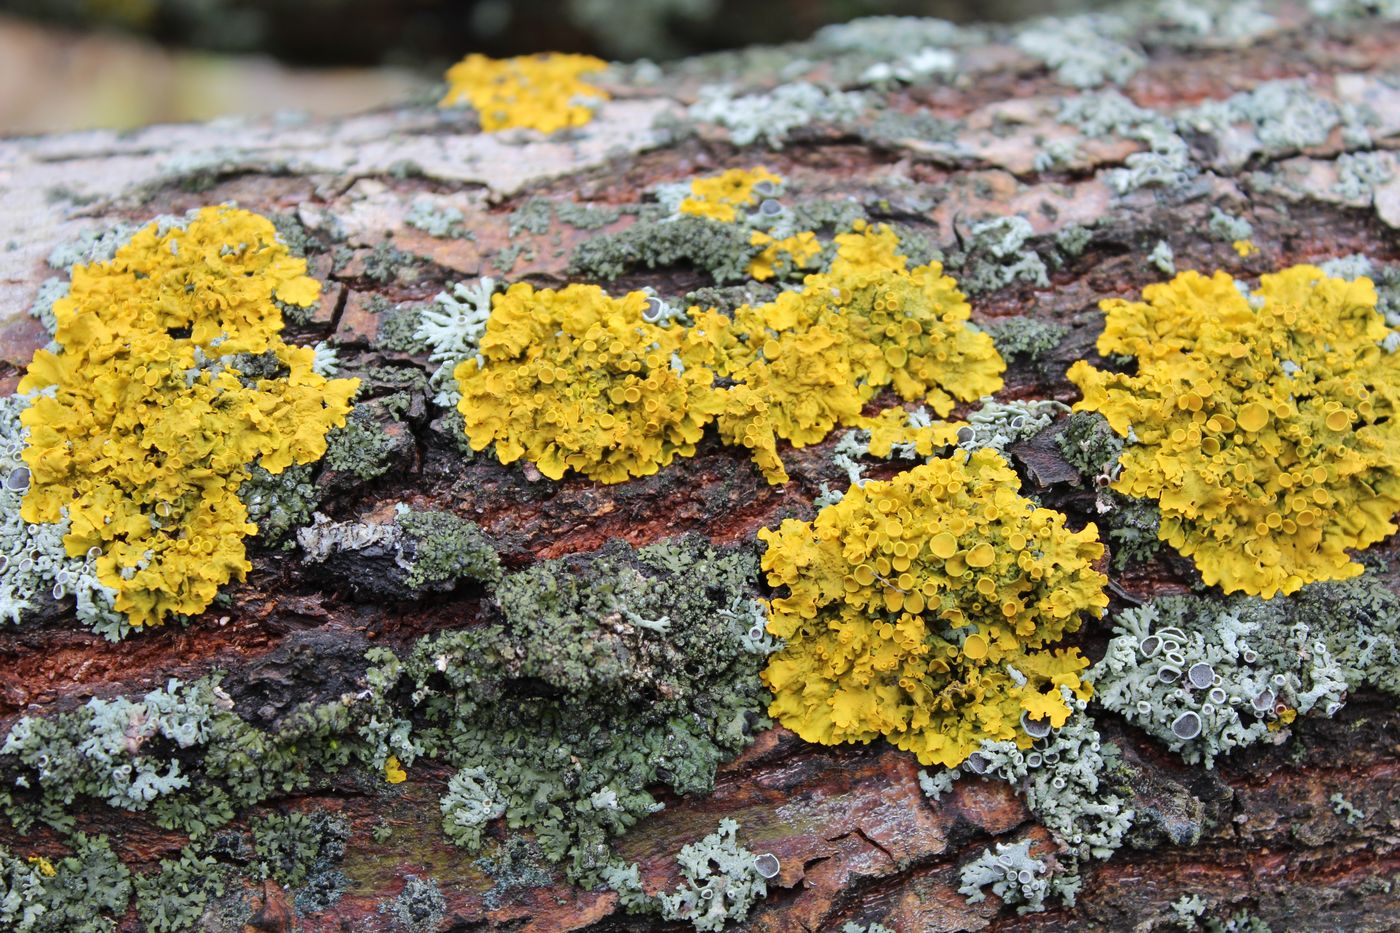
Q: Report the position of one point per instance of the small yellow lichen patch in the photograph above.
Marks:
(540, 92)
(719, 197)
(921, 609)
(393, 770)
(46, 867)
(144, 424)
(1267, 430)
(799, 251)
(1245, 248)
(574, 379)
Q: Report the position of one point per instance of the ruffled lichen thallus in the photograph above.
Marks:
(1264, 424)
(923, 609)
(575, 379)
(544, 92)
(144, 423)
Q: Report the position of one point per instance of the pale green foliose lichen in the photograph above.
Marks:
(721, 882)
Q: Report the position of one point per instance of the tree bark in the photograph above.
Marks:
(857, 839)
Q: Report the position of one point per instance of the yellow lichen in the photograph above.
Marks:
(816, 356)
(719, 197)
(575, 379)
(540, 92)
(1266, 429)
(578, 380)
(393, 770)
(144, 425)
(921, 609)
(45, 867)
(1245, 248)
(799, 251)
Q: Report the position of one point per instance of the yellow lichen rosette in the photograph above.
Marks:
(544, 92)
(575, 379)
(922, 609)
(1266, 429)
(143, 426)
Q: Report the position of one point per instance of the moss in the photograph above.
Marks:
(608, 673)
(723, 250)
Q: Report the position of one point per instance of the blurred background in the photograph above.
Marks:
(75, 64)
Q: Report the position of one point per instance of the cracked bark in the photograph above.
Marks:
(856, 838)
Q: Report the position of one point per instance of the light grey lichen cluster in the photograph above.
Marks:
(998, 425)
(436, 219)
(472, 800)
(108, 762)
(1065, 779)
(450, 330)
(772, 116)
(722, 881)
(997, 255)
(1085, 50)
(1275, 118)
(1206, 676)
(36, 571)
(1020, 879)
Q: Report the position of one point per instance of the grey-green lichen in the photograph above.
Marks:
(1085, 50)
(436, 219)
(295, 848)
(998, 425)
(418, 908)
(722, 881)
(1227, 227)
(1026, 337)
(1089, 445)
(996, 255)
(1207, 676)
(606, 673)
(657, 240)
(1163, 258)
(173, 898)
(1074, 785)
(280, 503)
(84, 892)
(1014, 875)
(418, 552)
(373, 437)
